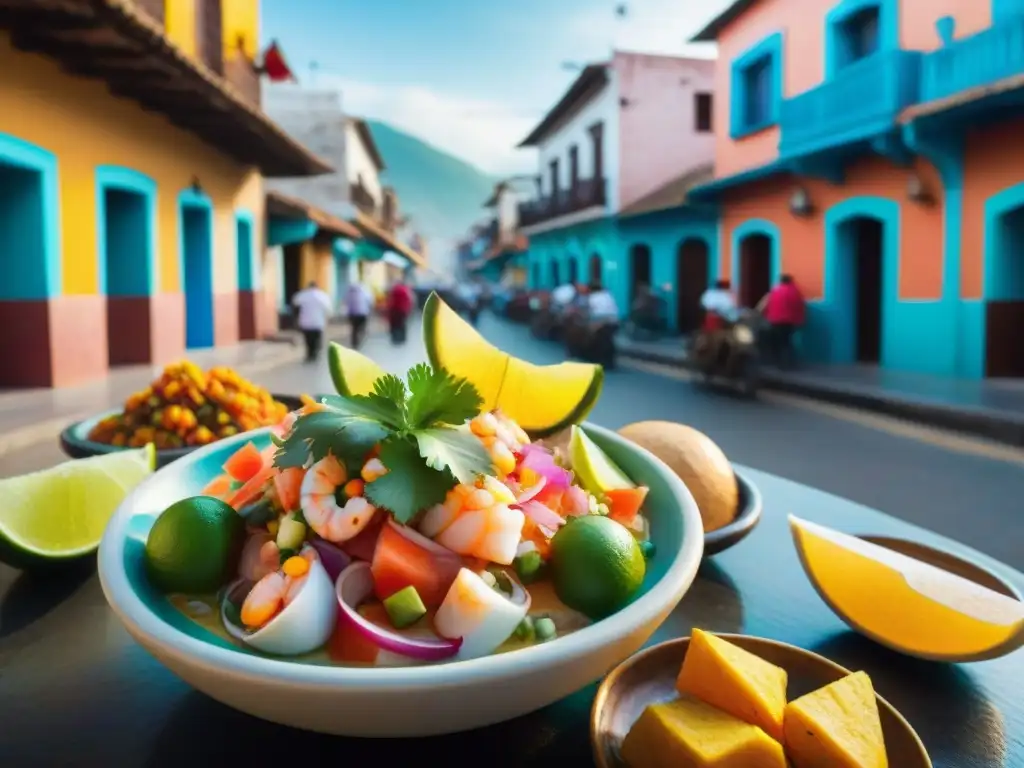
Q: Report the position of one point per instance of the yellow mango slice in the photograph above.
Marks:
(736, 681)
(836, 727)
(911, 606)
(687, 733)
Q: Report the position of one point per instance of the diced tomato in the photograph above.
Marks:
(399, 563)
(363, 544)
(219, 487)
(624, 504)
(350, 646)
(252, 489)
(288, 483)
(245, 463)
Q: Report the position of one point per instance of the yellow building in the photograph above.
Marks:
(132, 157)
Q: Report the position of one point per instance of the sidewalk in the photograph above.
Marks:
(992, 408)
(28, 416)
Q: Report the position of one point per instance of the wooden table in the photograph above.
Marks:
(75, 690)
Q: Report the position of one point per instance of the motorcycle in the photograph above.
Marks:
(730, 356)
(590, 342)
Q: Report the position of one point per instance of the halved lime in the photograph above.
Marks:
(59, 514)
(353, 373)
(596, 471)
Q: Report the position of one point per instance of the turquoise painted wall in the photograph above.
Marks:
(611, 239)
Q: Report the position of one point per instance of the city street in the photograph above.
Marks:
(959, 487)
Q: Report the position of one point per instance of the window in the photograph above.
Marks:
(702, 110)
(860, 35)
(756, 88)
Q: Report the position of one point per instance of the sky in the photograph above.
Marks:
(471, 77)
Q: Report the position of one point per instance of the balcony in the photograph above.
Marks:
(975, 61)
(210, 35)
(587, 193)
(241, 73)
(860, 102)
(363, 199)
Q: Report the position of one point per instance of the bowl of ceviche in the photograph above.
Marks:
(385, 548)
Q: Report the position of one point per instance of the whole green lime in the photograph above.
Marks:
(194, 545)
(597, 565)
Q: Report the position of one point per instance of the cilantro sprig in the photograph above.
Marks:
(416, 424)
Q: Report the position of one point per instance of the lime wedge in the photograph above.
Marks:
(60, 513)
(353, 373)
(596, 471)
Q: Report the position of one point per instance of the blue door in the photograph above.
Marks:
(197, 242)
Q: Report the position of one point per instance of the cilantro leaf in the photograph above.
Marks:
(437, 397)
(372, 406)
(409, 485)
(314, 435)
(458, 452)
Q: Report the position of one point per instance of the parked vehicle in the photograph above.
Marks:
(648, 322)
(590, 342)
(731, 356)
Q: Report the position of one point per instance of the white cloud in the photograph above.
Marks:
(649, 26)
(480, 131)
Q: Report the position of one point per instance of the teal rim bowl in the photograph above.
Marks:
(200, 656)
(75, 442)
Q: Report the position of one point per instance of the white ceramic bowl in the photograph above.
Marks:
(395, 701)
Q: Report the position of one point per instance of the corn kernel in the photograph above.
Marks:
(373, 469)
(272, 527)
(295, 566)
(484, 425)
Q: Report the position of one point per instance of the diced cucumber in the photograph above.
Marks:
(545, 629)
(525, 629)
(647, 548)
(405, 607)
(291, 533)
(529, 566)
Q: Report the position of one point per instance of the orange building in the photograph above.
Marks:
(874, 149)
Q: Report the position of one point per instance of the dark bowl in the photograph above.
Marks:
(749, 516)
(75, 442)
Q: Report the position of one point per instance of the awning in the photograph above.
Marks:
(373, 231)
(119, 43)
(292, 208)
(672, 195)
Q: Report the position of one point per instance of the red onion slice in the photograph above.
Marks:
(525, 495)
(353, 587)
(579, 502)
(542, 515)
(543, 463)
(333, 559)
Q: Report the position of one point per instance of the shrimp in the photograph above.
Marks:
(502, 437)
(477, 521)
(320, 506)
(275, 591)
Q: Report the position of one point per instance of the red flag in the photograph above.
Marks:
(274, 66)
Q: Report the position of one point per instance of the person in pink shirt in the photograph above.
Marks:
(784, 310)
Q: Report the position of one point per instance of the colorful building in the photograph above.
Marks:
(132, 153)
(504, 255)
(625, 130)
(874, 149)
(354, 192)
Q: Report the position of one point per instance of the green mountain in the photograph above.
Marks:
(443, 194)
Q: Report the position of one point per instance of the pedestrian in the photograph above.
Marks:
(784, 310)
(603, 317)
(358, 305)
(399, 307)
(719, 305)
(314, 307)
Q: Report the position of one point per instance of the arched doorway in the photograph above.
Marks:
(692, 274)
(556, 274)
(574, 270)
(639, 269)
(126, 218)
(861, 284)
(1004, 284)
(245, 254)
(755, 278)
(196, 219)
(595, 272)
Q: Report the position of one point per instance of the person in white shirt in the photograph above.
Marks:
(718, 300)
(562, 296)
(358, 305)
(314, 307)
(601, 305)
(603, 314)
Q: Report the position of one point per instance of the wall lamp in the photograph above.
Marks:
(196, 186)
(917, 190)
(800, 203)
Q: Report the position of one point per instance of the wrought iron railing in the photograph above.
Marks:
(587, 193)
